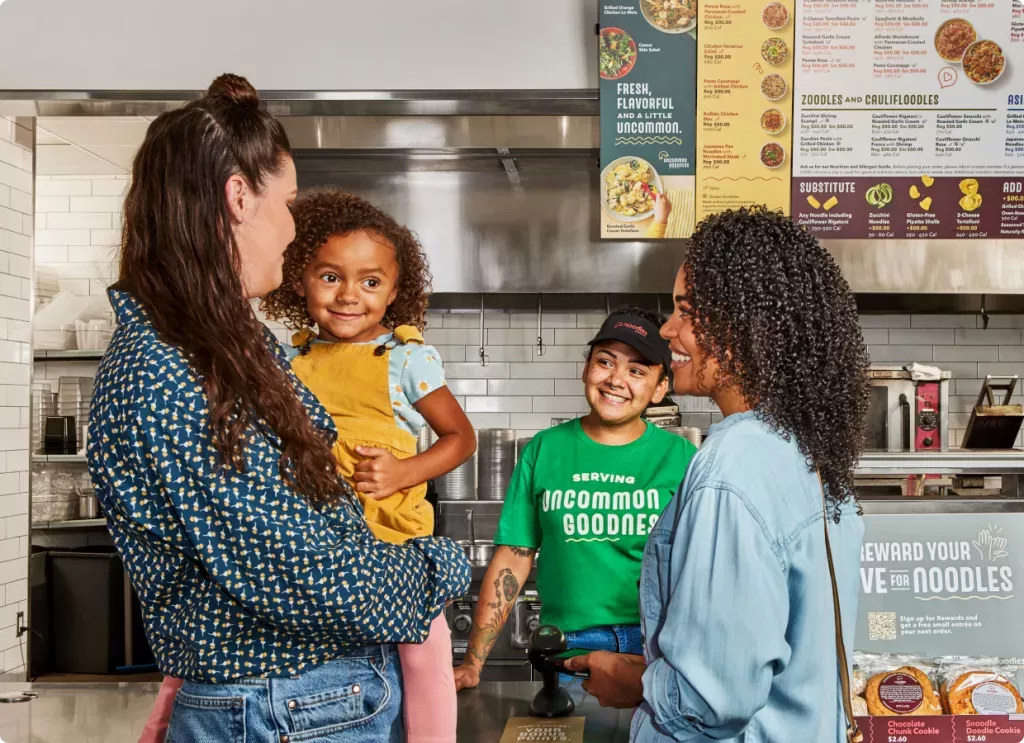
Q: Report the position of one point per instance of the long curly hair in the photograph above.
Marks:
(771, 307)
(179, 258)
(323, 213)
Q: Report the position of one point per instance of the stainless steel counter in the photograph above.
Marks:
(116, 713)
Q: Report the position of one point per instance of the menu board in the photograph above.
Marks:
(744, 102)
(647, 59)
(908, 118)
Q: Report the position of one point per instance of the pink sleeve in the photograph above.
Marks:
(156, 725)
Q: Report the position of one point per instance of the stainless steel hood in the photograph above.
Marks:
(502, 188)
(509, 204)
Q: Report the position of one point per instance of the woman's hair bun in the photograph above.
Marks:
(234, 89)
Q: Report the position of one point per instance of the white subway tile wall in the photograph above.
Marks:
(497, 394)
(16, 220)
(78, 229)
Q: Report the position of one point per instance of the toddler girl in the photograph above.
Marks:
(362, 279)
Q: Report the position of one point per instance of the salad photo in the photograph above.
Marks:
(616, 53)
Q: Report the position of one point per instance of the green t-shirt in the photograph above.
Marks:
(589, 507)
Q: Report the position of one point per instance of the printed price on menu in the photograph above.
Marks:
(745, 68)
(908, 119)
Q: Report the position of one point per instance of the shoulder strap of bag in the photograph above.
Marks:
(853, 733)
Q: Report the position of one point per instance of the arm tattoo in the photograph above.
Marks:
(483, 636)
(523, 551)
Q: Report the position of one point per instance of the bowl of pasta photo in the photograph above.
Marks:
(629, 186)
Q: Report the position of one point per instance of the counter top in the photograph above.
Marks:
(116, 713)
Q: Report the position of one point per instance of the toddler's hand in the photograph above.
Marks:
(380, 474)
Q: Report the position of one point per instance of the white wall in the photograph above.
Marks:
(302, 45)
(16, 187)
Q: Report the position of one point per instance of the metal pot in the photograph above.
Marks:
(479, 553)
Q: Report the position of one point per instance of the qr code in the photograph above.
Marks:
(882, 625)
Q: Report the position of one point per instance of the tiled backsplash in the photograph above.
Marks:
(77, 222)
(78, 229)
(522, 390)
(16, 186)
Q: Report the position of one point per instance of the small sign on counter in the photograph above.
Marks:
(521, 729)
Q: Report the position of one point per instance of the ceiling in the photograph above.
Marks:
(88, 145)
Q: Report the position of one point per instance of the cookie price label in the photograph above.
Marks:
(944, 729)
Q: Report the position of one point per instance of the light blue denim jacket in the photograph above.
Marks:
(736, 601)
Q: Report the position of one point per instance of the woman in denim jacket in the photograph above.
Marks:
(260, 583)
(736, 597)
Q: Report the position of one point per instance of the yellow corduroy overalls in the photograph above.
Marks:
(351, 381)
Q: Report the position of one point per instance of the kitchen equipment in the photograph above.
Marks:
(479, 553)
(460, 483)
(689, 433)
(60, 435)
(94, 335)
(44, 405)
(54, 495)
(520, 445)
(74, 395)
(425, 440)
(460, 620)
(497, 458)
(525, 618)
(994, 426)
(907, 415)
(88, 506)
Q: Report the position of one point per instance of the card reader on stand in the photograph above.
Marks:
(552, 700)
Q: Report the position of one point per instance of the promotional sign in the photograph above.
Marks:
(908, 118)
(744, 105)
(942, 584)
(648, 87)
(564, 730)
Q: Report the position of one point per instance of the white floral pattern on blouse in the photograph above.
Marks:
(237, 573)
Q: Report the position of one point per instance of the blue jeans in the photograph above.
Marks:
(617, 638)
(354, 699)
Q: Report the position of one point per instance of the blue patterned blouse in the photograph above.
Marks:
(238, 575)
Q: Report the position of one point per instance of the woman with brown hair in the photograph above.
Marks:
(261, 585)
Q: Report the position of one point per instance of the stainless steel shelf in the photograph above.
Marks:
(955, 462)
(897, 504)
(68, 355)
(58, 458)
(76, 524)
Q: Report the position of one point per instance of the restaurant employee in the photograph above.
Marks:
(586, 494)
